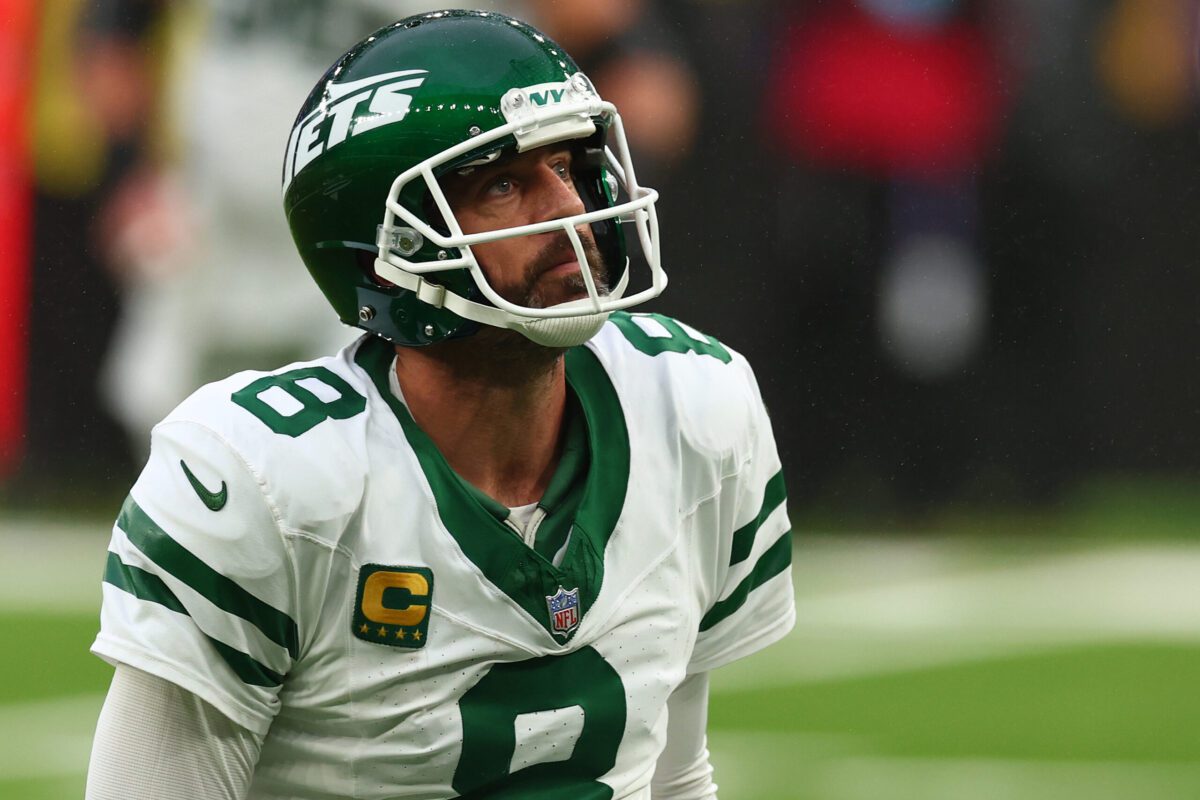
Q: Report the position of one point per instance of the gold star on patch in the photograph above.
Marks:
(364, 628)
(417, 635)
(382, 631)
(399, 633)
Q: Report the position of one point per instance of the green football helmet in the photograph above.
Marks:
(439, 93)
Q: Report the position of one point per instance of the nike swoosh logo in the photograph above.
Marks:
(214, 500)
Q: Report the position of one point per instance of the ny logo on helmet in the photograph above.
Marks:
(387, 104)
(548, 97)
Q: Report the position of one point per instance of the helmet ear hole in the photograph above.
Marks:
(365, 261)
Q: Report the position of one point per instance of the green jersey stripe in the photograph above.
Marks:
(743, 537)
(774, 561)
(149, 587)
(141, 584)
(222, 592)
(247, 668)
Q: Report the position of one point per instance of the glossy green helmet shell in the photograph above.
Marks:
(395, 104)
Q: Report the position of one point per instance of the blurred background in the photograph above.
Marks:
(958, 239)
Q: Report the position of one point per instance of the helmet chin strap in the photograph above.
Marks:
(566, 331)
(562, 331)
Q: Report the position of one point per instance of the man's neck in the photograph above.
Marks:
(494, 406)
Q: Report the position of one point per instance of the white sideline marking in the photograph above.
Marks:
(836, 768)
(941, 612)
(33, 550)
(48, 737)
(1137, 591)
(864, 778)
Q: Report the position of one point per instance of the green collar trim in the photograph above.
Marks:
(573, 462)
(490, 504)
(525, 575)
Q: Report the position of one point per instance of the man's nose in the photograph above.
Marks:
(557, 197)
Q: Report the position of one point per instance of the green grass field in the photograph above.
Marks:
(922, 668)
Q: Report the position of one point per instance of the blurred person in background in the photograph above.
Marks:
(89, 127)
(881, 115)
(974, 217)
(1089, 206)
(196, 229)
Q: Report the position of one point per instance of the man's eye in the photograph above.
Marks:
(500, 186)
(563, 169)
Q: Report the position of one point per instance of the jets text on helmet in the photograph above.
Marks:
(387, 101)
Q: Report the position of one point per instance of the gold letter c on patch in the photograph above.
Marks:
(379, 582)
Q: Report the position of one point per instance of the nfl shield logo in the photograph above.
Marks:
(564, 610)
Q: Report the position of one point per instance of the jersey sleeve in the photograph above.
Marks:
(753, 603)
(199, 585)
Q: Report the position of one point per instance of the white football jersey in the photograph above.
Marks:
(298, 554)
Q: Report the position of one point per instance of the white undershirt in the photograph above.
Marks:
(158, 741)
(521, 516)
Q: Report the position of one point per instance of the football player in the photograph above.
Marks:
(493, 548)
